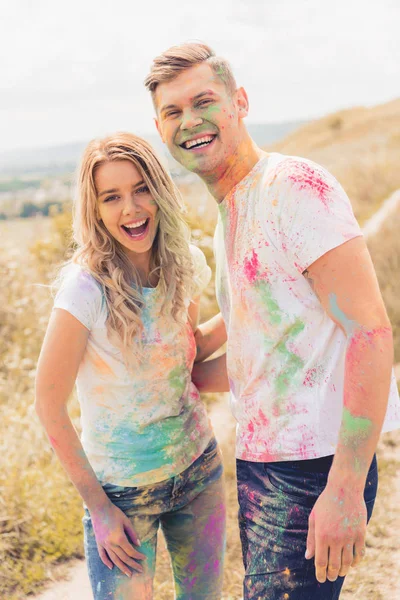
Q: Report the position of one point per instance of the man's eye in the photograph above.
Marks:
(204, 102)
(171, 113)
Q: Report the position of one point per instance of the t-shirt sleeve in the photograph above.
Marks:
(202, 272)
(80, 295)
(313, 213)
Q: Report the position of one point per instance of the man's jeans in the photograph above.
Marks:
(191, 511)
(275, 502)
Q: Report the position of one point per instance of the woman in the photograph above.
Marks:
(123, 327)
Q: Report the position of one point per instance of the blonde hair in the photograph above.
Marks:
(177, 59)
(104, 257)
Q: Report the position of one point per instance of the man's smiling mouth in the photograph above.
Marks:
(200, 142)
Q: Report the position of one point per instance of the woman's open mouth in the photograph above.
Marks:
(136, 231)
(199, 143)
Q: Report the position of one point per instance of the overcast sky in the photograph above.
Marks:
(73, 70)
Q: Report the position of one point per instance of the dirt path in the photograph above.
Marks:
(388, 208)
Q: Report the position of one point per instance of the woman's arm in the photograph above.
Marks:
(62, 351)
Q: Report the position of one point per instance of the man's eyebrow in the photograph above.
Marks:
(115, 190)
(205, 93)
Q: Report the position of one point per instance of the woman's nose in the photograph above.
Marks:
(131, 206)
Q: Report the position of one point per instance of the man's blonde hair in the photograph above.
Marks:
(177, 59)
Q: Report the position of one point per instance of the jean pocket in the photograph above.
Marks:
(119, 491)
(299, 485)
(212, 448)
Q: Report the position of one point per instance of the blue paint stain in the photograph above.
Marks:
(348, 324)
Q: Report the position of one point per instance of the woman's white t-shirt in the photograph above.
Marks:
(144, 427)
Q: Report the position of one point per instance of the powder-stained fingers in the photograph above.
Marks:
(123, 561)
(104, 557)
(334, 562)
(359, 552)
(347, 559)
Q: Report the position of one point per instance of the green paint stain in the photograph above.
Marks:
(354, 429)
(275, 313)
(177, 380)
(293, 362)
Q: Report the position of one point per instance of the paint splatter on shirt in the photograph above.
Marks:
(148, 426)
(285, 355)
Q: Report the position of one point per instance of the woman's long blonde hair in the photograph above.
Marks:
(105, 258)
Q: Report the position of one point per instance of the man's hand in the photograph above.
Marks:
(115, 538)
(336, 534)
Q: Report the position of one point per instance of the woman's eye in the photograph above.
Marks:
(110, 198)
(143, 190)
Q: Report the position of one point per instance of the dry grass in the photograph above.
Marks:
(360, 146)
(39, 510)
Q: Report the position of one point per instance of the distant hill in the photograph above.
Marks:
(360, 146)
(63, 158)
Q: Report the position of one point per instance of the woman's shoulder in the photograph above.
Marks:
(75, 276)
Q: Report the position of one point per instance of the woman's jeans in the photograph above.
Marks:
(275, 501)
(190, 508)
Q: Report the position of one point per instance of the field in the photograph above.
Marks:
(40, 513)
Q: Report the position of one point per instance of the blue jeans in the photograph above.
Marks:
(275, 502)
(190, 508)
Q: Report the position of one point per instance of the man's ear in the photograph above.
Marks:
(242, 102)
(156, 121)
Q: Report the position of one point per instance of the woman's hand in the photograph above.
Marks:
(115, 538)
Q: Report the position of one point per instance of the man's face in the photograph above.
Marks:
(199, 119)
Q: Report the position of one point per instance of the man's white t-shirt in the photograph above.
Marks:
(285, 355)
(143, 427)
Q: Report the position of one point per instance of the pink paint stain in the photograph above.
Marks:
(305, 177)
(251, 267)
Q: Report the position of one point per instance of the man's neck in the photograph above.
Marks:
(242, 161)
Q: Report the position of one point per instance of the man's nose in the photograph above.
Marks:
(190, 120)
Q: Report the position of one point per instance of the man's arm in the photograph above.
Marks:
(210, 336)
(345, 282)
(211, 375)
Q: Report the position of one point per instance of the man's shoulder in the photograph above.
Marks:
(299, 172)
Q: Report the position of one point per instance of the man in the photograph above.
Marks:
(310, 346)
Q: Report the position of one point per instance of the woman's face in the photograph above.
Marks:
(126, 208)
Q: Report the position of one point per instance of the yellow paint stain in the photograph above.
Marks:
(98, 363)
(285, 596)
(275, 202)
(286, 572)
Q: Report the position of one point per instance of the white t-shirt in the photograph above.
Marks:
(285, 355)
(147, 427)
